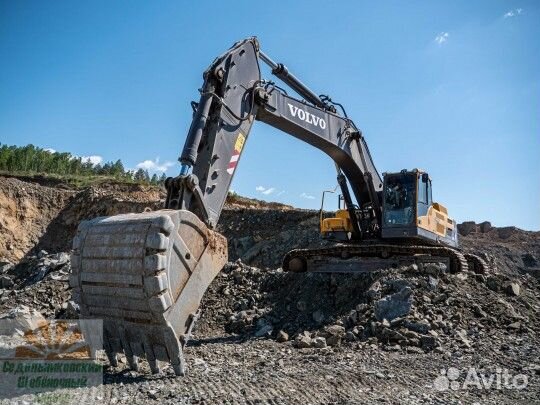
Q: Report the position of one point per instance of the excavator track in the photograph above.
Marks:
(302, 260)
(477, 264)
(144, 275)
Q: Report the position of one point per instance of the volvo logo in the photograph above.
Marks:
(307, 117)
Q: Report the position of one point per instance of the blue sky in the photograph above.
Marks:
(450, 87)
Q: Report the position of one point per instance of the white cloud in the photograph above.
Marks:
(264, 190)
(307, 196)
(94, 159)
(154, 165)
(442, 38)
(280, 193)
(513, 13)
(50, 150)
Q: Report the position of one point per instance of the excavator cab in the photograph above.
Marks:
(409, 211)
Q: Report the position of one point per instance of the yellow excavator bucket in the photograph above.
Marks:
(145, 275)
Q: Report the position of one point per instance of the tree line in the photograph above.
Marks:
(32, 159)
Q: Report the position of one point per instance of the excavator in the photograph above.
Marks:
(145, 273)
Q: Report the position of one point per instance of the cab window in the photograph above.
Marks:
(399, 200)
(422, 190)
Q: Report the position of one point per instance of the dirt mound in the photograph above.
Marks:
(26, 210)
(409, 308)
(34, 217)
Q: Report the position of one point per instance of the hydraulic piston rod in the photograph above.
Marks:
(283, 73)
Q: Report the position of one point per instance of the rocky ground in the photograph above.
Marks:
(406, 335)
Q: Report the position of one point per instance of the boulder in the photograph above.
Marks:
(282, 336)
(513, 289)
(319, 342)
(506, 232)
(466, 228)
(303, 341)
(485, 227)
(6, 282)
(418, 327)
(395, 305)
(333, 334)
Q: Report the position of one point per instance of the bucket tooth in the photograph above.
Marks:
(145, 275)
(113, 358)
(133, 362)
(154, 366)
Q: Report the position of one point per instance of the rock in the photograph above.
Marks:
(362, 308)
(22, 319)
(302, 341)
(282, 336)
(414, 349)
(529, 260)
(388, 335)
(334, 330)
(514, 325)
(333, 340)
(462, 335)
(6, 282)
(478, 311)
(409, 334)
(301, 306)
(263, 327)
(485, 226)
(333, 334)
(395, 305)
(42, 253)
(433, 282)
(506, 232)
(432, 269)
(493, 284)
(428, 342)
(5, 266)
(318, 316)
(72, 310)
(418, 327)
(353, 317)
(439, 298)
(358, 331)
(513, 289)
(39, 274)
(374, 291)
(350, 336)
(319, 342)
(59, 259)
(466, 228)
(397, 284)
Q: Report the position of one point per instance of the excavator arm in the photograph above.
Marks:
(233, 96)
(145, 274)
